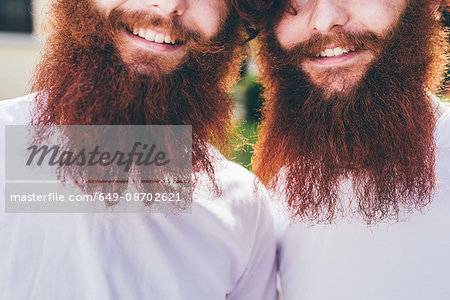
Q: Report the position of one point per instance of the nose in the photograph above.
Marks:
(169, 8)
(329, 15)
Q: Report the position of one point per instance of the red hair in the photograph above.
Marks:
(256, 14)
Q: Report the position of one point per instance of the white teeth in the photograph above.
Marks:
(141, 33)
(150, 36)
(159, 38)
(329, 52)
(338, 51)
(334, 52)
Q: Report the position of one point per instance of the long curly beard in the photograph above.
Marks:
(377, 134)
(82, 79)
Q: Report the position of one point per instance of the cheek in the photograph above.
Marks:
(106, 6)
(208, 15)
(378, 15)
(290, 31)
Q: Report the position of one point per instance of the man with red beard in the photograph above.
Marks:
(356, 145)
(142, 63)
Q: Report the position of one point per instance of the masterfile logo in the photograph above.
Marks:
(98, 168)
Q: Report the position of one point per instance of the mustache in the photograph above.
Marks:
(318, 42)
(121, 18)
(129, 20)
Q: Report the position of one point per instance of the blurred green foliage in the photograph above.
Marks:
(243, 142)
(248, 99)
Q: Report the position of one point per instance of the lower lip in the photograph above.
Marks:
(152, 45)
(326, 61)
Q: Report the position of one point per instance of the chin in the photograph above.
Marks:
(337, 85)
(144, 63)
(152, 67)
(147, 70)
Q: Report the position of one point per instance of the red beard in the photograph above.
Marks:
(379, 133)
(83, 80)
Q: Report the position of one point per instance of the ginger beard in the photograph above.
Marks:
(87, 77)
(375, 130)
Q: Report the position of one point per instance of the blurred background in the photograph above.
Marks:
(20, 23)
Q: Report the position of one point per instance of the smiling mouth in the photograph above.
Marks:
(154, 36)
(335, 52)
(333, 56)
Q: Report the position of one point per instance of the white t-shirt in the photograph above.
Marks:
(348, 260)
(224, 249)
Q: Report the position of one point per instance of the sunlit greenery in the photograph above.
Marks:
(243, 143)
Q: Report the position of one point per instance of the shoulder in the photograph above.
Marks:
(443, 151)
(236, 181)
(252, 221)
(15, 111)
(246, 195)
(242, 197)
(238, 185)
(443, 128)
